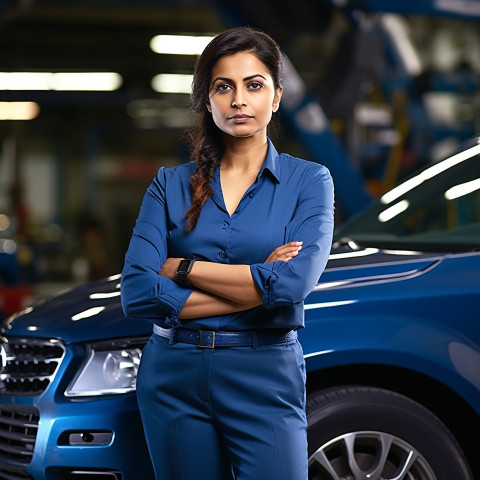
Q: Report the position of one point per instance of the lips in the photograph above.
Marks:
(240, 117)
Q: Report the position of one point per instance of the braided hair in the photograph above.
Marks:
(205, 139)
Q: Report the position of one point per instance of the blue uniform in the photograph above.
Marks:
(208, 413)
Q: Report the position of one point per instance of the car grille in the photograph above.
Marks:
(18, 432)
(28, 366)
(7, 473)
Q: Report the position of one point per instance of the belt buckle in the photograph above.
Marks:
(201, 334)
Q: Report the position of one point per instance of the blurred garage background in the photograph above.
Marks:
(373, 90)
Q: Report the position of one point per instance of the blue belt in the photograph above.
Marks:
(214, 339)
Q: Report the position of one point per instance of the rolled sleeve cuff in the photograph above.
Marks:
(265, 279)
(172, 298)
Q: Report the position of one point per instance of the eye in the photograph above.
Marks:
(255, 85)
(222, 87)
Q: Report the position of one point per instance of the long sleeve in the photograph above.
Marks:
(145, 294)
(282, 283)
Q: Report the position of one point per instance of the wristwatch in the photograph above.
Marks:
(184, 268)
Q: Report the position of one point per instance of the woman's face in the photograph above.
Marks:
(242, 95)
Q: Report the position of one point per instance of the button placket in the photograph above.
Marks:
(226, 229)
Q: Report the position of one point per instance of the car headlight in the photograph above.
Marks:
(110, 368)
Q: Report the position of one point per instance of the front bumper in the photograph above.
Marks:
(99, 438)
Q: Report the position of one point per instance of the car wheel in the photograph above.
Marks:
(359, 433)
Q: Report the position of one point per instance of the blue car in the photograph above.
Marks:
(392, 347)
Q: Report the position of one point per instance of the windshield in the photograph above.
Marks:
(436, 209)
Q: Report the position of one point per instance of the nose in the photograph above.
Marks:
(238, 101)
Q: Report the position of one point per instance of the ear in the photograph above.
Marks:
(209, 108)
(276, 99)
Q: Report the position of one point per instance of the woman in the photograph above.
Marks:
(224, 251)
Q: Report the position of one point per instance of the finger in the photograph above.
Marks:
(287, 250)
(284, 252)
(270, 258)
(284, 257)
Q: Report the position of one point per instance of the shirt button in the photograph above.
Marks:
(251, 195)
(221, 254)
(224, 226)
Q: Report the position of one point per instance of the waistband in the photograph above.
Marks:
(224, 338)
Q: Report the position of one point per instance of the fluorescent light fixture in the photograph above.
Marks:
(179, 44)
(429, 173)
(24, 81)
(172, 83)
(462, 189)
(393, 211)
(91, 81)
(19, 110)
(61, 81)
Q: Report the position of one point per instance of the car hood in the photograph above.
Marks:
(85, 313)
(93, 311)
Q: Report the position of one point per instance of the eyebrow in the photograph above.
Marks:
(225, 79)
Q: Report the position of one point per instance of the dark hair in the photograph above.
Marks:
(205, 139)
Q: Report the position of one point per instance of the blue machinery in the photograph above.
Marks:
(379, 46)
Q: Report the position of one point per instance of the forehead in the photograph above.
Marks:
(239, 65)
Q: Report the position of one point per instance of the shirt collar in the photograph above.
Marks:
(271, 163)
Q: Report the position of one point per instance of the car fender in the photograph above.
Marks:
(410, 343)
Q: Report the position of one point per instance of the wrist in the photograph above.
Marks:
(184, 268)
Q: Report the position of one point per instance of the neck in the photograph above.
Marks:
(244, 153)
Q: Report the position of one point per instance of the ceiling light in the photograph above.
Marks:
(19, 110)
(60, 81)
(172, 83)
(86, 81)
(179, 44)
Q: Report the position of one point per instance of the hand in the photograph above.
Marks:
(170, 267)
(285, 252)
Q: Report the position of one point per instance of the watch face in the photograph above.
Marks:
(183, 270)
(185, 267)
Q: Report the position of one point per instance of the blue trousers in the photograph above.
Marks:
(228, 413)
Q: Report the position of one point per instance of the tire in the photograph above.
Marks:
(347, 427)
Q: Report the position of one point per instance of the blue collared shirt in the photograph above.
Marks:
(291, 200)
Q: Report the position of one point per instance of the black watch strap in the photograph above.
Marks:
(184, 268)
